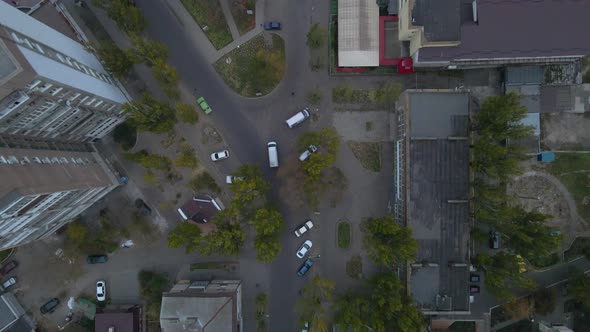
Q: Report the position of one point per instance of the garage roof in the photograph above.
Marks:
(358, 33)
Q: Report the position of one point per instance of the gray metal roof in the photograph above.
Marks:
(439, 115)
(517, 75)
(525, 28)
(441, 19)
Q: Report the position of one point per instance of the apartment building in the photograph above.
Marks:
(492, 33)
(46, 184)
(51, 86)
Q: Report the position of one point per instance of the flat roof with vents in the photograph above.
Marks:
(358, 33)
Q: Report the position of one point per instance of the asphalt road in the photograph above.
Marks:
(248, 124)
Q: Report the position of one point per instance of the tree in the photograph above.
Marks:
(149, 114)
(77, 233)
(409, 318)
(148, 160)
(152, 285)
(309, 305)
(526, 232)
(352, 310)
(250, 187)
(186, 156)
(227, 239)
(167, 77)
(314, 97)
(205, 181)
(186, 235)
(385, 295)
(316, 163)
(387, 243)
(118, 62)
(388, 93)
(579, 286)
(125, 134)
(151, 51)
(127, 16)
(501, 272)
(545, 301)
(316, 37)
(187, 113)
(499, 118)
(268, 224)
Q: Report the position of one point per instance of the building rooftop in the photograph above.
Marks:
(48, 15)
(437, 199)
(441, 19)
(515, 29)
(120, 321)
(200, 209)
(56, 172)
(202, 307)
(358, 33)
(12, 316)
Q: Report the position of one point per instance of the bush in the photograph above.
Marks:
(187, 157)
(204, 181)
(314, 97)
(187, 113)
(354, 267)
(125, 134)
(152, 285)
(343, 235)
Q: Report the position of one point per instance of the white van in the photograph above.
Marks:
(273, 155)
(298, 118)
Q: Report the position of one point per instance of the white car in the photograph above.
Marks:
(229, 179)
(101, 291)
(308, 152)
(304, 249)
(304, 228)
(215, 156)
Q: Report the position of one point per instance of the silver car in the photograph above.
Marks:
(304, 228)
(215, 156)
(308, 152)
(304, 249)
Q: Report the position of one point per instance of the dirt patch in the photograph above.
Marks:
(565, 131)
(210, 134)
(368, 154)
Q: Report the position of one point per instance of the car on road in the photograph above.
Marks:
(233, 179)
(9, 283)
(220, 155)
(101, 291)
(50, 306)
(494, 240)
(6, 268)
(273, 25)
(298, 118)
(473, 289)
(308, 152)
(304, 249)
(474, 277)
(273, 154)
(304, 228)
(97, 259)
(203, 105)
(305, 267)
(144, 209)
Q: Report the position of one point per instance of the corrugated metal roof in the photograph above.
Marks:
(358, 33)
(516, 75)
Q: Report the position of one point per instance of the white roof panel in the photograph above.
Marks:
(59, 72)
(27, 25)
(358, 33)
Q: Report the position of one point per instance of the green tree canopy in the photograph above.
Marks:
(387, 243)
(167, 77)
(149, 114)
(310, 304)
(579, 286)
(352, 310)
(118, 62)
(150, 51)
(250, 188)
(186, 235)
(152, 285)
(187, 113)
(385, 294)
(226, 240)
(268, 224)
(316, 37)
(127, 16)
(499, 118)
(502, 271)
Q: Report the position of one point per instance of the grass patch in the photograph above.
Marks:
(256, 67)
(243, 21)
(209, 16)
(354, 267)
(573, 169)
(343, 235)
(4, 254)
(368, 154)
(204, 181)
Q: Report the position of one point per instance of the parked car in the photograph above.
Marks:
(308, 152)
(494, 240)
(272, 25)
(304, 228)
(473, 289)
(6, 268)
(220, 155)
(273, 154)
(304, 249)
(97, 259)
(50, 306)
(298, 118)
(232, 179)
(305, 267)
(474, 277)
(203, 105)
(144, 209)
(9, 283)
(101, 291)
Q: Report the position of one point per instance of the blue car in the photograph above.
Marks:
(272, 25)
(305, 267)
